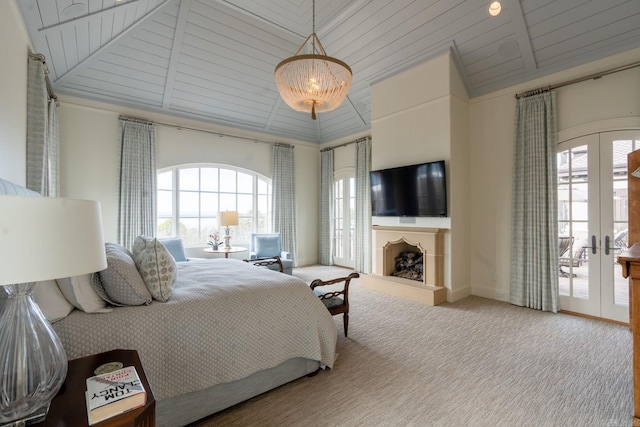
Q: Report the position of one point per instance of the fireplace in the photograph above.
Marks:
(423, 280)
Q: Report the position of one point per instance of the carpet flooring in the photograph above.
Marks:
(476, 362)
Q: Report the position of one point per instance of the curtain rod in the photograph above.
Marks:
(345, 144)
(134, 120)
(594, 76)
(40, 57)
(221, 134)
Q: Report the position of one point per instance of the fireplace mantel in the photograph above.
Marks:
(389, 241)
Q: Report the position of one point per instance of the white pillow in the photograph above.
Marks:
(79, 292)
(52, 303)
(156, 266)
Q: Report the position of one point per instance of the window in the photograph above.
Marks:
(190, 197)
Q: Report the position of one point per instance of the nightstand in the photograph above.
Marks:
(68, 408)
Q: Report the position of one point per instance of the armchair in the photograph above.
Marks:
(269, 245)
(176, 249)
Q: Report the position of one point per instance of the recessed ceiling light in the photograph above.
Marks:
(74, 10)
(495, 8)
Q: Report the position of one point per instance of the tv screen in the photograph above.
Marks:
(413, 191)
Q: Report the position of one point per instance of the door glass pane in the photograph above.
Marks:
(573, 216)
(338, 219)
(620, 216)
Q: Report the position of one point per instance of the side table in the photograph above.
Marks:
(225, 251)
(68, 408)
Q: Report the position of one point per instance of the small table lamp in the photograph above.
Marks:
(41, 238)
(227, 219)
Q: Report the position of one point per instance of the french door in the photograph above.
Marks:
(593, 224)
(344, 216)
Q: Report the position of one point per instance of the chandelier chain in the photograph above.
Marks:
(313, 26)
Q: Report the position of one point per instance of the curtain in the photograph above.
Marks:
(326, 208)
(534, 244)
(284, 199)
(42, 133)
(362, 256)
(138, 187)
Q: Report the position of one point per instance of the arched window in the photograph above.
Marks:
(190, 197)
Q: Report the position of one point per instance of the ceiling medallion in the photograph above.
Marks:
(312, 81)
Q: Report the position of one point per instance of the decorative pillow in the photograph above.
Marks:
(52, 303)
(79, 292)
(156, 266)
(121, 279)
(267, 246)
(175, 248)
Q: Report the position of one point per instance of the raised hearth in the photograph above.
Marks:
(390, 243)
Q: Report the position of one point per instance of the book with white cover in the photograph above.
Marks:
(113, 393)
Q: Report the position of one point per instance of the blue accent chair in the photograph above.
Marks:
(176, 248)
(267, 245)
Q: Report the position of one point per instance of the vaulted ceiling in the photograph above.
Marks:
(213, 60)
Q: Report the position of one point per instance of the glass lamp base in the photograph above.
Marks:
(34, 364)
(34, 418)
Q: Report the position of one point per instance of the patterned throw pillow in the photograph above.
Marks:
(121, 279)
(156, 266)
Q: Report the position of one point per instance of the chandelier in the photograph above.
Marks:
(311, 81)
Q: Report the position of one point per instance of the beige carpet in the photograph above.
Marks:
(477, 362)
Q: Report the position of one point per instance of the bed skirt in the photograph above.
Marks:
(184, 409)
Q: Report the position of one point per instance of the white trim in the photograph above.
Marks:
(606, 125)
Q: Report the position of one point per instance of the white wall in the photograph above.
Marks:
(89, 161)
(612, 102)
(14, 50)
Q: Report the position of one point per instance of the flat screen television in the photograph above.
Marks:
(412, 191)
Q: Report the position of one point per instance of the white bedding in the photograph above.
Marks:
(225, 320)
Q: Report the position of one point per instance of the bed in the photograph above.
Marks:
(228, 332)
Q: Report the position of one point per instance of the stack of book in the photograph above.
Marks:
(113, 393)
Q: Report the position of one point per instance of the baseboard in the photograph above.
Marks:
(490, 292)
(453, 296)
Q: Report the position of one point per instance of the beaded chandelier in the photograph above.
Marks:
(313, 82)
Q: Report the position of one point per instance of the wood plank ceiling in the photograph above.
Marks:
(213, 60)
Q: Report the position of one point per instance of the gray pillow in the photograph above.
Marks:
(121, 279)
(156, 266)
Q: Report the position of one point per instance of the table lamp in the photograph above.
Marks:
(41, 238)
(227, 219)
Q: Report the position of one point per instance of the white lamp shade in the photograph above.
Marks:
(44, 238)
(228, 218)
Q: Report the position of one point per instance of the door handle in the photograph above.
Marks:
(606, 245)
(593, 245)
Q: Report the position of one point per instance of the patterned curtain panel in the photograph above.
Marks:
(138, 187)
(326, 208)
(53, 150)
(362, 256)
(284, 199)
(534, 245)
(42, 133)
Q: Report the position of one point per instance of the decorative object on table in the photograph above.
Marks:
(108, 367)
(311, 81)
(227, 219)
(213, 241)
(113, 393)
(34, 362)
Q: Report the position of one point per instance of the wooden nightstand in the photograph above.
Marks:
(68, 408)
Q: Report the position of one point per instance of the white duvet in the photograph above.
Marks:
(225, 320)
